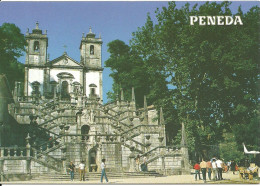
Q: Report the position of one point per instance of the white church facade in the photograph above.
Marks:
(63, 76)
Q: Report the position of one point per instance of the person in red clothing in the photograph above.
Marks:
(197, 170)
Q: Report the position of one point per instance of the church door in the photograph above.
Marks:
(64, 89)
(92, 160)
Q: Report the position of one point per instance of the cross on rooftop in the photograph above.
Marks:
(64, 46)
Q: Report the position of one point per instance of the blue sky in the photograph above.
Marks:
(66, 21)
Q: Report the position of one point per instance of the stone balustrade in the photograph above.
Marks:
(12, 152)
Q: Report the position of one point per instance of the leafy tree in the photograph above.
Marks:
(127, 71)
(12, 46)
(204, 76)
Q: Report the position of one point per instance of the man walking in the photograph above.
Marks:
(197, 170)
(71, 169)
(82, 171)
(203, 167)
(103, 170)
(219, 166)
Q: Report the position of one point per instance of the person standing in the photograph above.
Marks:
(72, 170)
(103, 170)
(209, 169)
(233, 166)
(203, 167)
(219, 166)
(214, 169)
(82, 171)
(137, 163)
(197, 170)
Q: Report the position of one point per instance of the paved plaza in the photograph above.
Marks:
(229, 178)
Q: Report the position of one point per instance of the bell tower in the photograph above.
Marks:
(90, 57)
(90, 50)
(36, 71)
(37, 46)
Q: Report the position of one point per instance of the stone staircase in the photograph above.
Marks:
(50, 117)
(92, 176)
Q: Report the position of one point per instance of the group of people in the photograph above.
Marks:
(213, 167)
(81, 169)
(141, 166)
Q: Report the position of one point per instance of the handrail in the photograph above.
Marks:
(45, 154)
(46, 164)
(50, 141)
(129, 146)
(90, 135)
(57, 117)
(160, 146)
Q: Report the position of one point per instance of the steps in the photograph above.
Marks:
(91, 176)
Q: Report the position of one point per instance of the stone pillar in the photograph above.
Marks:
(55, 92)
(28, 166)
(100, 87)
(28, 146)
(2, 170)
(132, 162)
(146, 122)
(98, 158)
(28, 161)
(162, 158)
(26, 81)
(79, 101)
(59, 88)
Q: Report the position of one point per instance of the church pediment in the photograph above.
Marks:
(65, 60)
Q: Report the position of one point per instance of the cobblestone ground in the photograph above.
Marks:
(229, 178)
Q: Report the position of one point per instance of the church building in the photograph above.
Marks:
(63, 75)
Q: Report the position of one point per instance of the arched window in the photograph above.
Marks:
(36, 46)
(91, 49)
(85, 130)
(92, 89)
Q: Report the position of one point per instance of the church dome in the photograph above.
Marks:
(37, 30)
(90, 34)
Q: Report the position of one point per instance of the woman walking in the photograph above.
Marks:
(71, 169)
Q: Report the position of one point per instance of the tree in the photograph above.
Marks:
(127, 71)
(12, 46)
(204, 76)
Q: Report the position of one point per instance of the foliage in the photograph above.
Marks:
(229, 148)
(12, 46)
(204, 76)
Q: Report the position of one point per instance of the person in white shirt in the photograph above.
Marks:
(219, 166)
(214, 169)
(103, 170)
(82, 171)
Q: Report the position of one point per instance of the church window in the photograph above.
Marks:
(92, 88)
(36, 46)
(91, 49)
(85, 130)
